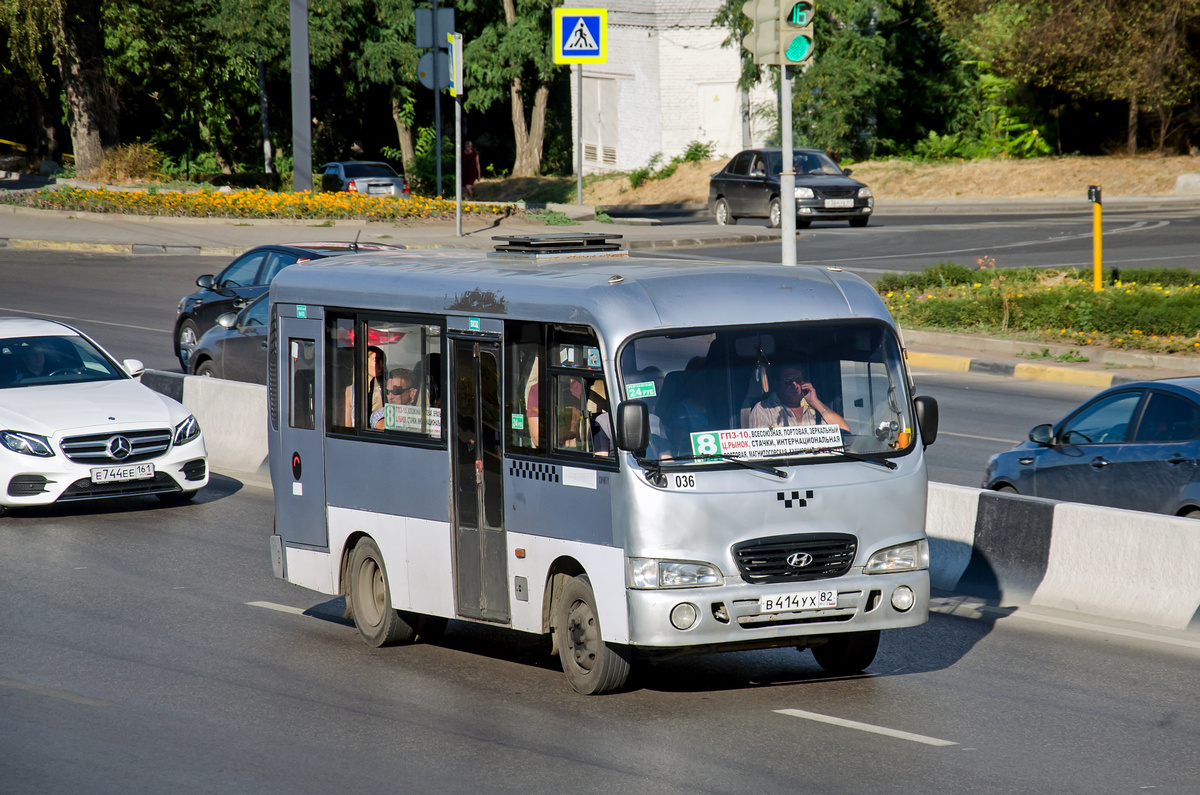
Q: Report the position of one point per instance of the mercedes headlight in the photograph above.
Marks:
(187, 430)
(654, 573)
(805, 193)
(864, 193)
(912, 556)
(26, 443)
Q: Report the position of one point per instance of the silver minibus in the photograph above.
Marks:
(638, 458)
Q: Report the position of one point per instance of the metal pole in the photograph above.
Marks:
(302, 180)
(458, 163)
(579, 133)
(787, 178)
(262, 101)
(437, 96)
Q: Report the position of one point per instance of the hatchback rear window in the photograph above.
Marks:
(369, 170)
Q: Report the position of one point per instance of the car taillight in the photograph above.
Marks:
(406, 184)
(350, 186)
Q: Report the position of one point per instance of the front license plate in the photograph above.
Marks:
(116, 474)
(804, 600)
(838, 203)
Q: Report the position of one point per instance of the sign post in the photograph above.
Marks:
(580, 36)
(455, 42)
(1097, 239)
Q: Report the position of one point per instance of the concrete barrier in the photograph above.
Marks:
(1004, 547)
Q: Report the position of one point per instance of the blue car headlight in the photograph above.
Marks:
(187, 430)
(26, 443)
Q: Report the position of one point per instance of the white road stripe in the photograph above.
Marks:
(73, 319)
(865, 727)
(296, 611)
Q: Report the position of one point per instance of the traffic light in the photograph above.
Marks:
(796, 32)
(763, 40)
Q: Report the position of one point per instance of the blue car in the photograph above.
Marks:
(1133, 446)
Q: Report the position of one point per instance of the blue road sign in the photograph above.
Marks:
(580, 35)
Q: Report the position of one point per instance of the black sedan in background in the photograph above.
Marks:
(243, 280)
(1132, 446)
(236, 347)
(748, 187)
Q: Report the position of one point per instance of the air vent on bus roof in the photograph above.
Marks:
(558, 246)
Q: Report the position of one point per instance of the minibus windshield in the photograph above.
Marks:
(819, 391)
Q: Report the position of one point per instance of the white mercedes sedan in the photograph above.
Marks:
(75, 425)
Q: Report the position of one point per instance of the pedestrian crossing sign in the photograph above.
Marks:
(580, 35)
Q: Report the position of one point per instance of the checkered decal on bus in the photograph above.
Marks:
(528, 469)
(795, 499)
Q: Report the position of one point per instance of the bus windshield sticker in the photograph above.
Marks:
(593, 358)
(518, 422)
(408, 418)
(642, 390)
(765, 442)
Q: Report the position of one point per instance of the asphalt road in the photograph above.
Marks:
(147, 650)
(912, 243)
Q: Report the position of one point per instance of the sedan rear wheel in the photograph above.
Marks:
(724, 216)
(207, 369)
(775, 214)
(1006, 489)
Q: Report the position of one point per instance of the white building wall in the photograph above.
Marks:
(676, 83)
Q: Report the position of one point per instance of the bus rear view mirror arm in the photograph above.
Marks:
(633, 425)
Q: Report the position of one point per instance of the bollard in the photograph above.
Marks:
(1097, 239)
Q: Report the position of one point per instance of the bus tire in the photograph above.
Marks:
(592, 666)
(847, 653)
(371, 596)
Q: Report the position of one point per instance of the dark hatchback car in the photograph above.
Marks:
(1132, 446)
(748, 187)
(243, 280)
(236, 347)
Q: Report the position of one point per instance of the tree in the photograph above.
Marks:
(512, 54)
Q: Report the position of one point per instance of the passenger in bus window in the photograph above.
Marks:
(570, 412)
(401, 391)
(794, 401)
(376, 383)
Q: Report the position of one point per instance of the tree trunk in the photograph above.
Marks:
(91, 103)
(528, 135)
(1131, 142)
(404, 133)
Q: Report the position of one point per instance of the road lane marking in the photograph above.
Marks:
(45, 691)
(296, 611)
(972, 436)
(26, 313)
(865, 727)
(966, 607)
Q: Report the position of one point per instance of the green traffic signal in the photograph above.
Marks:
(796, 34)
(799, 48)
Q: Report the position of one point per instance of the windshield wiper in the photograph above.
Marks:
(887, 462)
(656, 463)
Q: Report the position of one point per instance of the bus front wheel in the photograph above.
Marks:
(848, 653)
(591, 665)
(371, 599)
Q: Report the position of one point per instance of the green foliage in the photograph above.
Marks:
(944, 274)
(1000, 130)
(554, 218)
(422, 175)
(696, 151)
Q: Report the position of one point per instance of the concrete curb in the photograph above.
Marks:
(1011, 549)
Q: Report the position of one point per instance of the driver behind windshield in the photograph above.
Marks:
(794, 401)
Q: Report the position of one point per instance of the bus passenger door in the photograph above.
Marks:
(480, 547)
(298, 466)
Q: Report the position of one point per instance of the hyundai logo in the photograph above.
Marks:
(119, 448)
(799, 560)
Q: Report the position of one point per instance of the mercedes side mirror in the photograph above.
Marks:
(205, 281)
(927, 418)
(227, 320)
(134, 367)
(633, 425)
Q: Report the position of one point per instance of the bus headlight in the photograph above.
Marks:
(912, 556)
(654, 573)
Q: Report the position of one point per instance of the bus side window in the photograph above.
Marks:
(341, 373)
(524, 361)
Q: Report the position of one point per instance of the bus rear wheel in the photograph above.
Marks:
(591, 665)
(371, 599)
(848, 653)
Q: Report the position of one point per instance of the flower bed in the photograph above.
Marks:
(247, 204)
(1150, 309)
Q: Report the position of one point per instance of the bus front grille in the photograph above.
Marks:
(795, 558)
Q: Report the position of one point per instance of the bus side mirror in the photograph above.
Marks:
(633, 425)
(927, 418)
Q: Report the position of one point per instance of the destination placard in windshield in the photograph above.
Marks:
(768, 442)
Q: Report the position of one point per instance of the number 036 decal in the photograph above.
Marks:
(682, 481)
